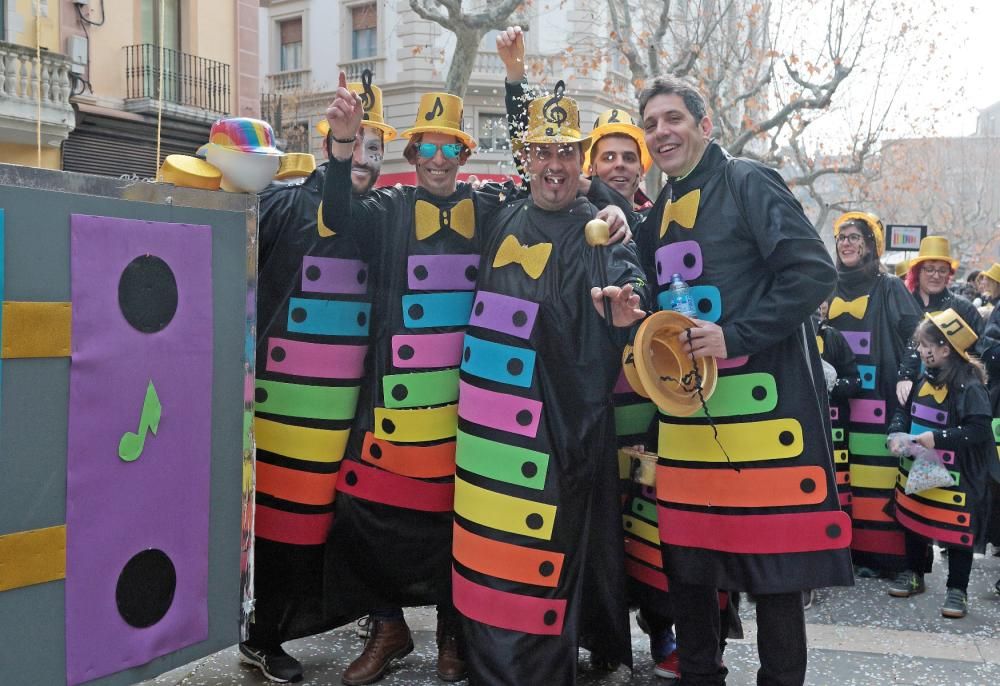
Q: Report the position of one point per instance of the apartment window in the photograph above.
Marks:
(364, 30)
(493, 134)
(151, 12)
(290, 33)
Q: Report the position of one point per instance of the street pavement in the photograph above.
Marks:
(857, 637)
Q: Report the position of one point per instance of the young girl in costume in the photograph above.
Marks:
(948, 411)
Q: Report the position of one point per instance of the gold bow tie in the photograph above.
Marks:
(684, 211)
(939, 394)
(856, 308)
(460, 218)
(324, 230)
(531, 258)
(820, 344)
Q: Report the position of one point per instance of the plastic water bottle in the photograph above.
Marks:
(680, 296)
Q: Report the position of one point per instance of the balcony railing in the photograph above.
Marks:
(354, 68)
(23, 82)
(288, 81)
(188, 80)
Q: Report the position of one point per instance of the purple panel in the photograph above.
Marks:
(116, 509)
(334, 275)
(682, 258)
(442, 272)
(504, 313)
(860, 342)
(929, 414)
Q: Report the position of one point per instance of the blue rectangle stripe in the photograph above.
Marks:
(328, 317)
(498, 362)
(429, 310)
(868, 374)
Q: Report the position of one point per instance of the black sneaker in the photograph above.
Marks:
(956, 604)
(905, 584)
(275, 663)
(807, 599)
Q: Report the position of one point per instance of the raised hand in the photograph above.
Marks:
(624, 304)
(345, 113)
(510, 49)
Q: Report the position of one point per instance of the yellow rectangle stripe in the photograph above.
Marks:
(418, 425)
(869, 476)
(641, 529)
(840, 456)
(938, 495)
(773, 439)
(300, 442)
(504, 512)
(32, 557)
(36, 329)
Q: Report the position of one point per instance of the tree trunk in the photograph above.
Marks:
(464, 59)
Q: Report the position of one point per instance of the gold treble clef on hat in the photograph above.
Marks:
(368, 95)
(553, 111)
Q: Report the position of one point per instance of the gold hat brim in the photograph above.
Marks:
(933, 258)
(468, 140)
(993, 272)
(658, 346)
(963, 350)
(631, 374)
(566, 134)
(633, 132)
(388, 133)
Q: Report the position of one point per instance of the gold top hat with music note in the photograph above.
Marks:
(873, 223)
(955, 329)
(371, 101)
(934, 248)
(620, 122)
(440, 113)
(555, 119)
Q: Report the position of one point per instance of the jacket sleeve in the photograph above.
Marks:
(848, 380)
(803, 273)
(900, 422)
(364, 219)
(974, 421)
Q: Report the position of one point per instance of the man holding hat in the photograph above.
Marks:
(927, 278)
(306, 394)
(538, 566)
(748, 499)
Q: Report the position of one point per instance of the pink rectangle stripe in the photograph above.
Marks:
(732, 362)
(929, 414)
(504, 313)
(334, 275)
(498, 410)
(427, 351)
(935, 533)
(511, 611)
(834, 414)
(868, 411)
(761, 534)
(442, 272)
(317, 360)
(947, 456)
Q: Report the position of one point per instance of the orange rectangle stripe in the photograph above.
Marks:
(295, 485)
(36, 329)
(843, 478)
(414, 461)
(726, 487)
(870, 509)
(32, 557)
(507, 561)
(643, 551)
(937, 514)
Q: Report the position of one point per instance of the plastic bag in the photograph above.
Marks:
(829, 374)
(926, 471)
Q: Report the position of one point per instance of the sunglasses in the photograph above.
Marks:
(449, 150)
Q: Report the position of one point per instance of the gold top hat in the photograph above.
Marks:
(621, 122)
(440, 113)
(631, 373)
(665, 369)
(555, 119)
(873, 223)
(190, 172)
(295, 164)
(955, 329)
(993, 272)
(371, 101)
(902, 267)
(934, 248)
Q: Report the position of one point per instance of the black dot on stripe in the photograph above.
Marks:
(312, 272)
(833, 531)
(399, 391)
(520, 318)
(758, 393)
(299, 315)
(388, 426)
(534, 521)
(529, 469)
(420, 271)
(807, 485)
(351, 478)
(479, 308)
(405, 352)
(260, 395)
(277, 353)
(550, 617)
(524, 417)
(546, 568)
(786, 438)
(375, 451)
(515, 366)
(416, 311)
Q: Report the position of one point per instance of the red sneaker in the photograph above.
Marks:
(669, 667)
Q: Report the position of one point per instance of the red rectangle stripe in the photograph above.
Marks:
(380, 486)
(644, 574)
(505, 610)
(875, 541)
(292, 527)
(756, 534)
(935, 533)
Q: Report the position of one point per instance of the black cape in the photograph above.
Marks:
(833, 348)
(877, 318)
(538, 547)
(760, 513)
(308, 372)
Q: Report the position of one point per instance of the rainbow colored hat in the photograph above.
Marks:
(245, 135)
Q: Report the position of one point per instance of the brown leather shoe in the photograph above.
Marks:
(450, 665)
(388, 641)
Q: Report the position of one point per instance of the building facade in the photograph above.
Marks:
(305, 43)
(105, 65)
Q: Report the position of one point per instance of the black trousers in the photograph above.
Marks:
(781, 637)
(919, 559)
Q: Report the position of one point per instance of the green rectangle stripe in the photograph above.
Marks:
(996, 430)
(837, 435)
(907, 464)
(420, 389)
(507, 463)
(310, 402)
(644, 509)
(634, 419)
(742, 394)
(868, 444)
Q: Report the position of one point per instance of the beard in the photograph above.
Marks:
(361, 188)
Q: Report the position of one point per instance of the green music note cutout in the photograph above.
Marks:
(131, 444)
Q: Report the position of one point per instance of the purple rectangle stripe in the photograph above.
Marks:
(929, 414)
(442, 272)
(334, 275)
(860, 342)
(682, 258)
(504, 313)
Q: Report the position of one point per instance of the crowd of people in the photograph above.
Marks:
(441, 399)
